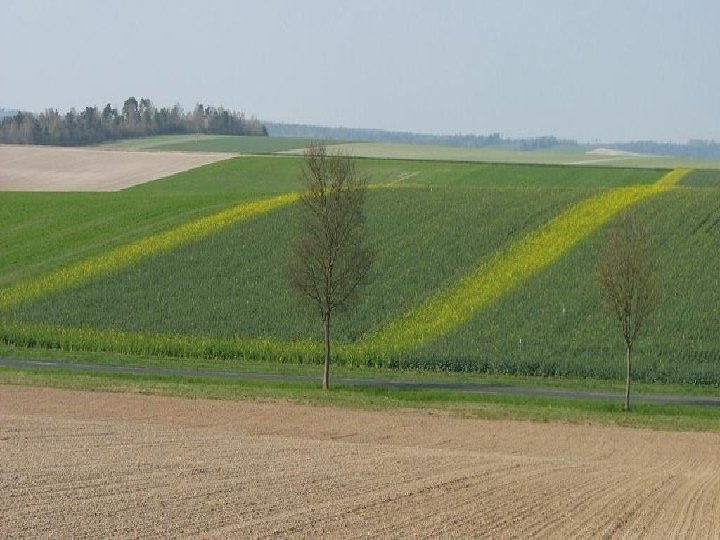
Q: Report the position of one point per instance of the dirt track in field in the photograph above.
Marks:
(48, 168)
(95, 464)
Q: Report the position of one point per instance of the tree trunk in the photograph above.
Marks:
(627, 378)
(326, 370)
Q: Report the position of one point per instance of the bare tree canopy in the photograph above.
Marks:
(331, 262)
(626, 276)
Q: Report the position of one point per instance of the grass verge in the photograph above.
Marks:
(350, 372)
(660, 417)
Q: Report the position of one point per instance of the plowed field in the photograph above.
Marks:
(95, 464)
(49, 168)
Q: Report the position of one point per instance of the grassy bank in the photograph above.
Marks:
(661, 417)
(314, 371)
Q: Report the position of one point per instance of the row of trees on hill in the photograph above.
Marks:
(694, 148)
(7, 112)
(135, 119)
(303, 131)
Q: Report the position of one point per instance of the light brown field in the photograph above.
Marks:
(95, 464)
(48, 168)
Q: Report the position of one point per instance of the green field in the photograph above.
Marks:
(560, 157)
(434, 225)
(703, 178)
(552, 324)
(232, 284)
(44, 231)
(569, 156)
(234, 144)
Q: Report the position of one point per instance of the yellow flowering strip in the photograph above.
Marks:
(671, 179)
(447, 310)
(139, 343)
(124, 256)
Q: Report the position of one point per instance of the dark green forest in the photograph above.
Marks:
(135, 119)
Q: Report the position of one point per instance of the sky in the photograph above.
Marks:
(591, 70)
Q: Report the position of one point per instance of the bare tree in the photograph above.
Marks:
(331, 262)
(626, 275)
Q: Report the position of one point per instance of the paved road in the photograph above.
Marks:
(477, 388)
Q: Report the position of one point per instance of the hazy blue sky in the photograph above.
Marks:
(587, 69)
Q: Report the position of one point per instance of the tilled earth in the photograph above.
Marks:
(50, 168)
(98, 464)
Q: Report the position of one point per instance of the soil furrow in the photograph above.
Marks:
(96, 465)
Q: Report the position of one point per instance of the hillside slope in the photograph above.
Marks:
(441, 230)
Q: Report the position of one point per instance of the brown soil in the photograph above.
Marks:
(48, 168)
(97, 464)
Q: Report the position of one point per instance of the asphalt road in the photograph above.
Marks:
(476, 388)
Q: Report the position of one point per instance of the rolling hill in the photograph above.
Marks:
(481, 267)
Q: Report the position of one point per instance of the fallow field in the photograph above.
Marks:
(32, 168)
(98, 464)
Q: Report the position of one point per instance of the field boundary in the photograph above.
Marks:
(375, 382)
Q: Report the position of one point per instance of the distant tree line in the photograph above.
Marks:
(135, 119)
(539, 143)
(7, 112)
(379, 135)
(694, 148)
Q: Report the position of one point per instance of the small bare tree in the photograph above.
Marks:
(626, 276)
(331, 262)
